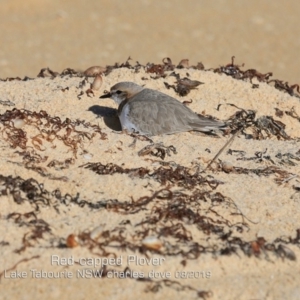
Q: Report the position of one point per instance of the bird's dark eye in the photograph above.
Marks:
(119, 92)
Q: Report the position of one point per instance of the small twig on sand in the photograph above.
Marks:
(222, 149)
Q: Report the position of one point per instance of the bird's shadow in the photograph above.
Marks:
(109, 115)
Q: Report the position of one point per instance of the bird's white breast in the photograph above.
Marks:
(125, 121)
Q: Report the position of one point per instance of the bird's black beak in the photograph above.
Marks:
(107, 95)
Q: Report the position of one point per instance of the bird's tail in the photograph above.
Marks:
(208, 125)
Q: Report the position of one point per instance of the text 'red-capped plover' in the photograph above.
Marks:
(150, 112)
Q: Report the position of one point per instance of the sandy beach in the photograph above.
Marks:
(79, 196)
(89, 211)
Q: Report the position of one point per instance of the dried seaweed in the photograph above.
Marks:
(284, 86)
(26, 78)
(167, 219)
(184, 63)
(169, 215)
(271, 127)
(278, 112)
(281, 175)
(158, 150)
(6, 103)
(32, 191)
(292, 113)
(183, 86)
(179, 175)
(262, 127)
(288, 158)
(126, 64)
(160, 70)
(47, 72)
(38, 227)
(71, 72)
(50, 128)
(235, 72)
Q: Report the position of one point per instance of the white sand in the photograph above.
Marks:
(271, 208)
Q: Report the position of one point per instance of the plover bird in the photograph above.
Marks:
(150, 112)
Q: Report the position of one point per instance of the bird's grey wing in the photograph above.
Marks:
(157, 113)
(162, 114)
(186, 118)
